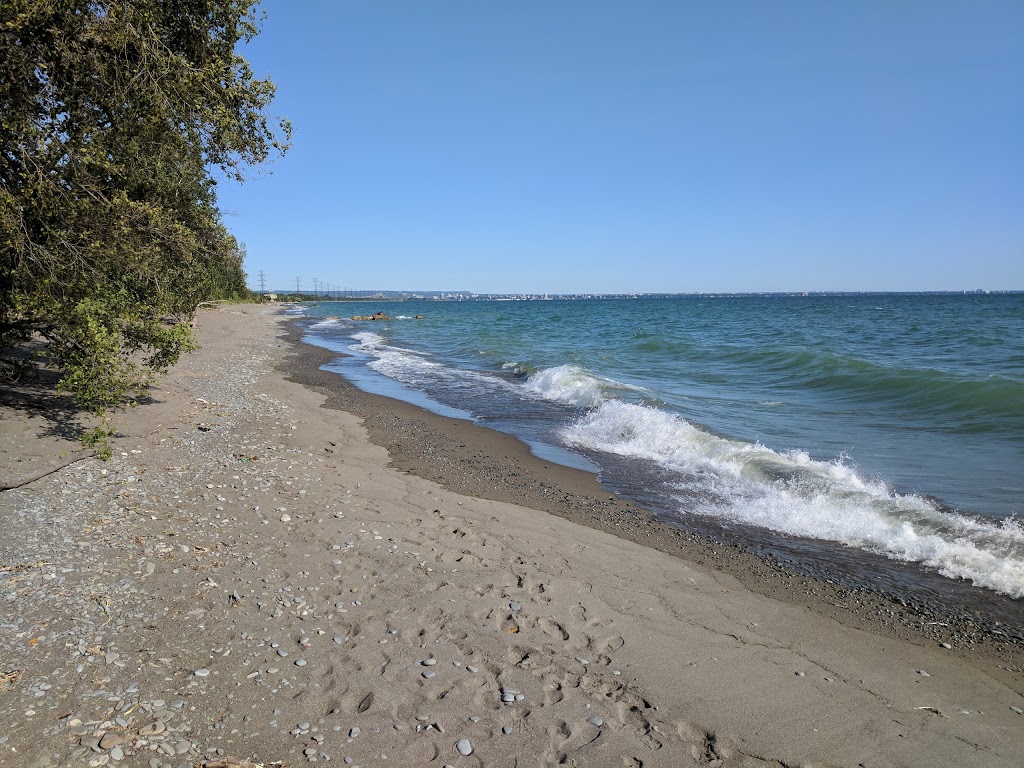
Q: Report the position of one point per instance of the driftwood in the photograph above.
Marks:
(49, 469)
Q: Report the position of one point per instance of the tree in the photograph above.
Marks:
(114, 117)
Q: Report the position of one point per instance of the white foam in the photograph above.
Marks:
(328, 322)
(795, 494)
(414, 367)
(573, 385)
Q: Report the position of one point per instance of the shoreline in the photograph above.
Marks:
(476, 460)
(250, 577)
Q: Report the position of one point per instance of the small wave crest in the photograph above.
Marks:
(989, 399)
(414, 367)
(405, 365)
(327, 322)
(573, 385)
(791, 493)
(517, 368)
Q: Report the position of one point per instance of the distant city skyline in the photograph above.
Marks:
(610, 147)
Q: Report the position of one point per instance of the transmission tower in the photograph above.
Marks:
(298, 286)
(263, 283)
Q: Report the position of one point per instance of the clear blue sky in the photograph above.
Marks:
(592, 146)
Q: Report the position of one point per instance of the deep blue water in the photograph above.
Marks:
(886, 424)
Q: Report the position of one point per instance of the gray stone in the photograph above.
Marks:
(464, 748)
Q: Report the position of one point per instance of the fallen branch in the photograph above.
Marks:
(49, 469)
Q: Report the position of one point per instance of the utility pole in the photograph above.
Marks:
(263, 283)
(298, 286)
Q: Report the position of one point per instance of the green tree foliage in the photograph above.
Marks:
(114, 116)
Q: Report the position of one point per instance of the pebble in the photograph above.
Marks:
(112, 739)
(429, 673)
(204, 672)
(515, 606)
(300, 662)
(353, 732)
(152, 729)
(506, 729)
(583, 661)
(464, 747)
(922, 673)
(286, 518)
(471, 668)
(595, 720)
(338, 639)
(1018, 710)
(428, 662)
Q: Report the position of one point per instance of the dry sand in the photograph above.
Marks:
(251, 576)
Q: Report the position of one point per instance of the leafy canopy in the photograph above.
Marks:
(114, 115)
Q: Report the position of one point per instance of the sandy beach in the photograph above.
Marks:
(276, 567)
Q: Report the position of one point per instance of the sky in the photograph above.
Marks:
(588, 146)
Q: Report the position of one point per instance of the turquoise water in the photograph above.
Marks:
(885, 424)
